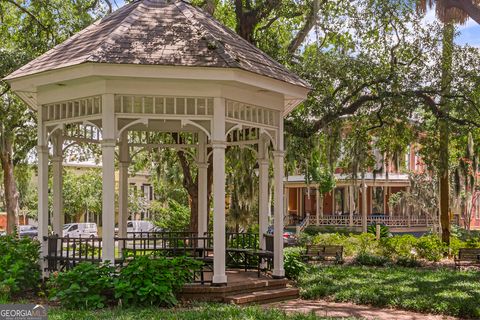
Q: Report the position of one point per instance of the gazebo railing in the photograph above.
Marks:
(65, 253)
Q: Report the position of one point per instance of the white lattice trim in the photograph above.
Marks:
(251, 114)
(163, 105)
(72, 109)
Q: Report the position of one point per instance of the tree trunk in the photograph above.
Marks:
(444, 132)
(194, 212)
(191, 185)
(11, 194)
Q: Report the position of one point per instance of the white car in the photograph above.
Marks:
(77, 230)
(139, 226)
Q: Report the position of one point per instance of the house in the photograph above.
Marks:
(357, 203)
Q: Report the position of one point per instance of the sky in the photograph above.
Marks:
(469, 33)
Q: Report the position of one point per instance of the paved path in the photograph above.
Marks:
(334, 309)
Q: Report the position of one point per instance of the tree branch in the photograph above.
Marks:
(31, 15)
(302, 33)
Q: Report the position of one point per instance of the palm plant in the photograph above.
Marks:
(449, 14)
(456, 11)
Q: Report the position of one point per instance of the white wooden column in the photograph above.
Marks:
(278, 271)
(124, 162)
(108, 178)
(263, 192)
(317, 206)
(42, 151)
(202, 186)
(218, 146)
(351, 205)
(57, 160)
(364, 206)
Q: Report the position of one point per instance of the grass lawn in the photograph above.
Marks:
(201, 312)
(440, 291)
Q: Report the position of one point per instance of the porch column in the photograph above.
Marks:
(351, 204)
(364, 207)
(317, 203)
(278, 271)
(263, 192)
(108, 177)
(58, 215)
(42, 151)
(124, 162)
(218, 146)
(202, 186)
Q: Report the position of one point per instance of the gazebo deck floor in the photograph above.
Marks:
(243, 287)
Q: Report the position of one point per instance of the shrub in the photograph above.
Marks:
(293, 263)
(19, 269)
(399, 247)
(408, 262)
(314, 230)
(364, 243)
(456, 244)
(147, 281)
(87, 286)
(367, 259)
(384, 230)
(430, 247)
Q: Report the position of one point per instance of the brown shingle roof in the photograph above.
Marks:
(160, 32)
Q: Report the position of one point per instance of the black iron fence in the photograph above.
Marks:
(65, 253)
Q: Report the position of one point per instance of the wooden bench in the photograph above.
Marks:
(467, 257)
(317, 252)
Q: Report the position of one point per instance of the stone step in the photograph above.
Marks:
(264, 296)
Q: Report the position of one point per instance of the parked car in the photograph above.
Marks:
(289, 237)
(77, 230)
(28, 231)
(139, 226)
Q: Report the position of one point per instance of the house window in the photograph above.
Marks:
(378, 200)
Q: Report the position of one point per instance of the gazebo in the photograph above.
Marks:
(160, 66)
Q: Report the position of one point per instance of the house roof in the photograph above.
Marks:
(160, 32)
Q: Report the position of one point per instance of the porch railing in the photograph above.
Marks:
(344, 220)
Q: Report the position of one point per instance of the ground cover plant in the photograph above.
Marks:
(201, 312)
(441, 291)
(143, 281)
(19, 270)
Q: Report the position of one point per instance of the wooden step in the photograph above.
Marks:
(264, 296)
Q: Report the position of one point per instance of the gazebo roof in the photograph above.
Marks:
(160, 32)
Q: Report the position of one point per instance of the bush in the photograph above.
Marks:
(399, 247)
(293, 263)
(430, 247)
(408, 262)
(313, 230)
(87, 286)
(364, 243)
(367, 259)
(19, 269)
(456, 244)
(144, 281)
(147, 281)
